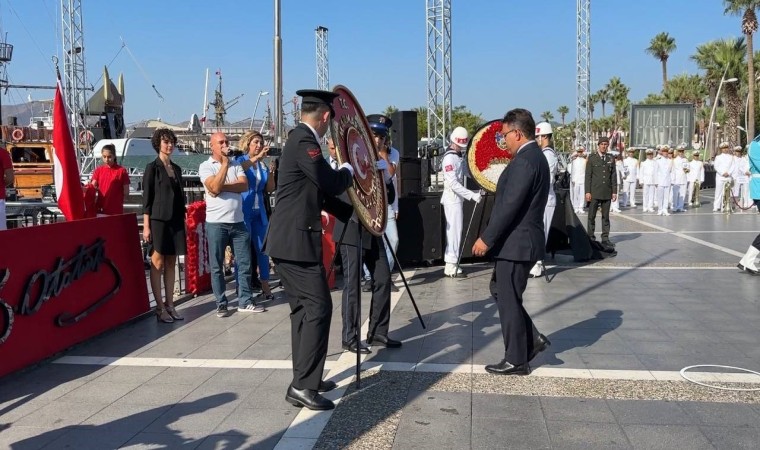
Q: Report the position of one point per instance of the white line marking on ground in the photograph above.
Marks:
(349, 360)
(688, 238)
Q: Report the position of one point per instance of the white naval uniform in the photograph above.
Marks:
(551, 204)
(577, 170)
(629, 182)
(619, 175)
(663, 173)
(679, 182)
(454, 194)
(646, 177)
(696, 174)
(724, 164)
(741, 181)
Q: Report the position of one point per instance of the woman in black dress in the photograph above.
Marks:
(164, 221)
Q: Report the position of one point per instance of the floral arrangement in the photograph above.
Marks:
(487, 155)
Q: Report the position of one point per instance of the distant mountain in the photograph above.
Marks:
(25, 111)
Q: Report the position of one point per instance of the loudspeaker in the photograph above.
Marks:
(404, 133)
(409, 176)
(420, 228)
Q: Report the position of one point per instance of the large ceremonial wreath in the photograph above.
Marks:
(487, 155)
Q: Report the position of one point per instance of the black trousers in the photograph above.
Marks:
(310, 314)
(380, 308)
(756, 242)
(605, 205)
(508, 282)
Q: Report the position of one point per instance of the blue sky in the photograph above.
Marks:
(505, 54)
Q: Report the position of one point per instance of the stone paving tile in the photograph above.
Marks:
(512, 407)
(577, 410)
(647, 412)
(722, 414)
(98, 392)
(732, 437)
(28, 438)
(91, 438)
(493, 433)
(124, 416)
(666, 437)
(194, 376)
(236, 440)
(580, 435)
(169, 439)
(60, 414)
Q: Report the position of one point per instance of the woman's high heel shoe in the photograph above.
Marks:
(173, 313)
(163, 316)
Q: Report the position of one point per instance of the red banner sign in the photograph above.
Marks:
(197, 265)
(63, 283)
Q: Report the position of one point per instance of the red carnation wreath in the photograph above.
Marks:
(487, 156)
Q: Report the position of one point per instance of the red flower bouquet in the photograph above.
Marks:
(487, 157)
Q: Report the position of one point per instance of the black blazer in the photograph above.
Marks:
(515, 230)
(162, 199)
(306, 184)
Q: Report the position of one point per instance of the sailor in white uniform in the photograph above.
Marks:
(696, 175)
(663, 176)
(724, 169)
(629, 181)
(454, 194)
(577, 170)
(741, 178)
(681, 171)
(646, 177)
(544, 140)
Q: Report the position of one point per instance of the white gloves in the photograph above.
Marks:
(348, 166)
(476, 197)
(381, 164)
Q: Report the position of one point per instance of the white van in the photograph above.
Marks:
(126, 147)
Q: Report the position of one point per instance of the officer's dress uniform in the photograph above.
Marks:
(680, 178)
(454, 195)
(696, 174)
(551, 205)
(629, 181)
(601, 183)
(741, 181)
(663, 173)
(649, 187)
(306, 185)
(577, 169)
(724, 164)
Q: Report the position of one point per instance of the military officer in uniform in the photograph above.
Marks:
(601, 188)
(306, 184)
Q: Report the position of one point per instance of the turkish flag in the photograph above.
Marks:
(68, 189)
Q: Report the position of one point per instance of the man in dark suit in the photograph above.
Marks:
(306, 185)
(515, 236)
(375, 257)
(601, 188)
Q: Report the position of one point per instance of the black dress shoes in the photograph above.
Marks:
(353, 348)
(382, 341)
(308, 399)
(506, 368)
(326, 386)
(540, 344)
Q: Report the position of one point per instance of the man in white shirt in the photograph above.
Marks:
(646, 177)
(577, 170)
(224, 181)
(630, 179)
(681, 169)
(724, 169)
(454, 194)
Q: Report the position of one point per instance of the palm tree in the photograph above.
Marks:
(746, 8)
(661, 46)
(686, 89)
(547, 116)
(719, 57)
(602, 95)
(563, 111)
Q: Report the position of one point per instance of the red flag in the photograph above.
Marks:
(67, 185)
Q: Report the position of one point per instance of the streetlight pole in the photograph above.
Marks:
(261, 93)
(277, 77)
(712, 113)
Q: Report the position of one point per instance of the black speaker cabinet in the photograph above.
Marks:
(479, 222)
(420, 228)
(409, 176)
(404, 133)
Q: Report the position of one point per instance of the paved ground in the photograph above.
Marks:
(621, 330)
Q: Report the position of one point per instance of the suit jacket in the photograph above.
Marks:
(306, 184)
(515, 230)
(162, 200)
(601, 176)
